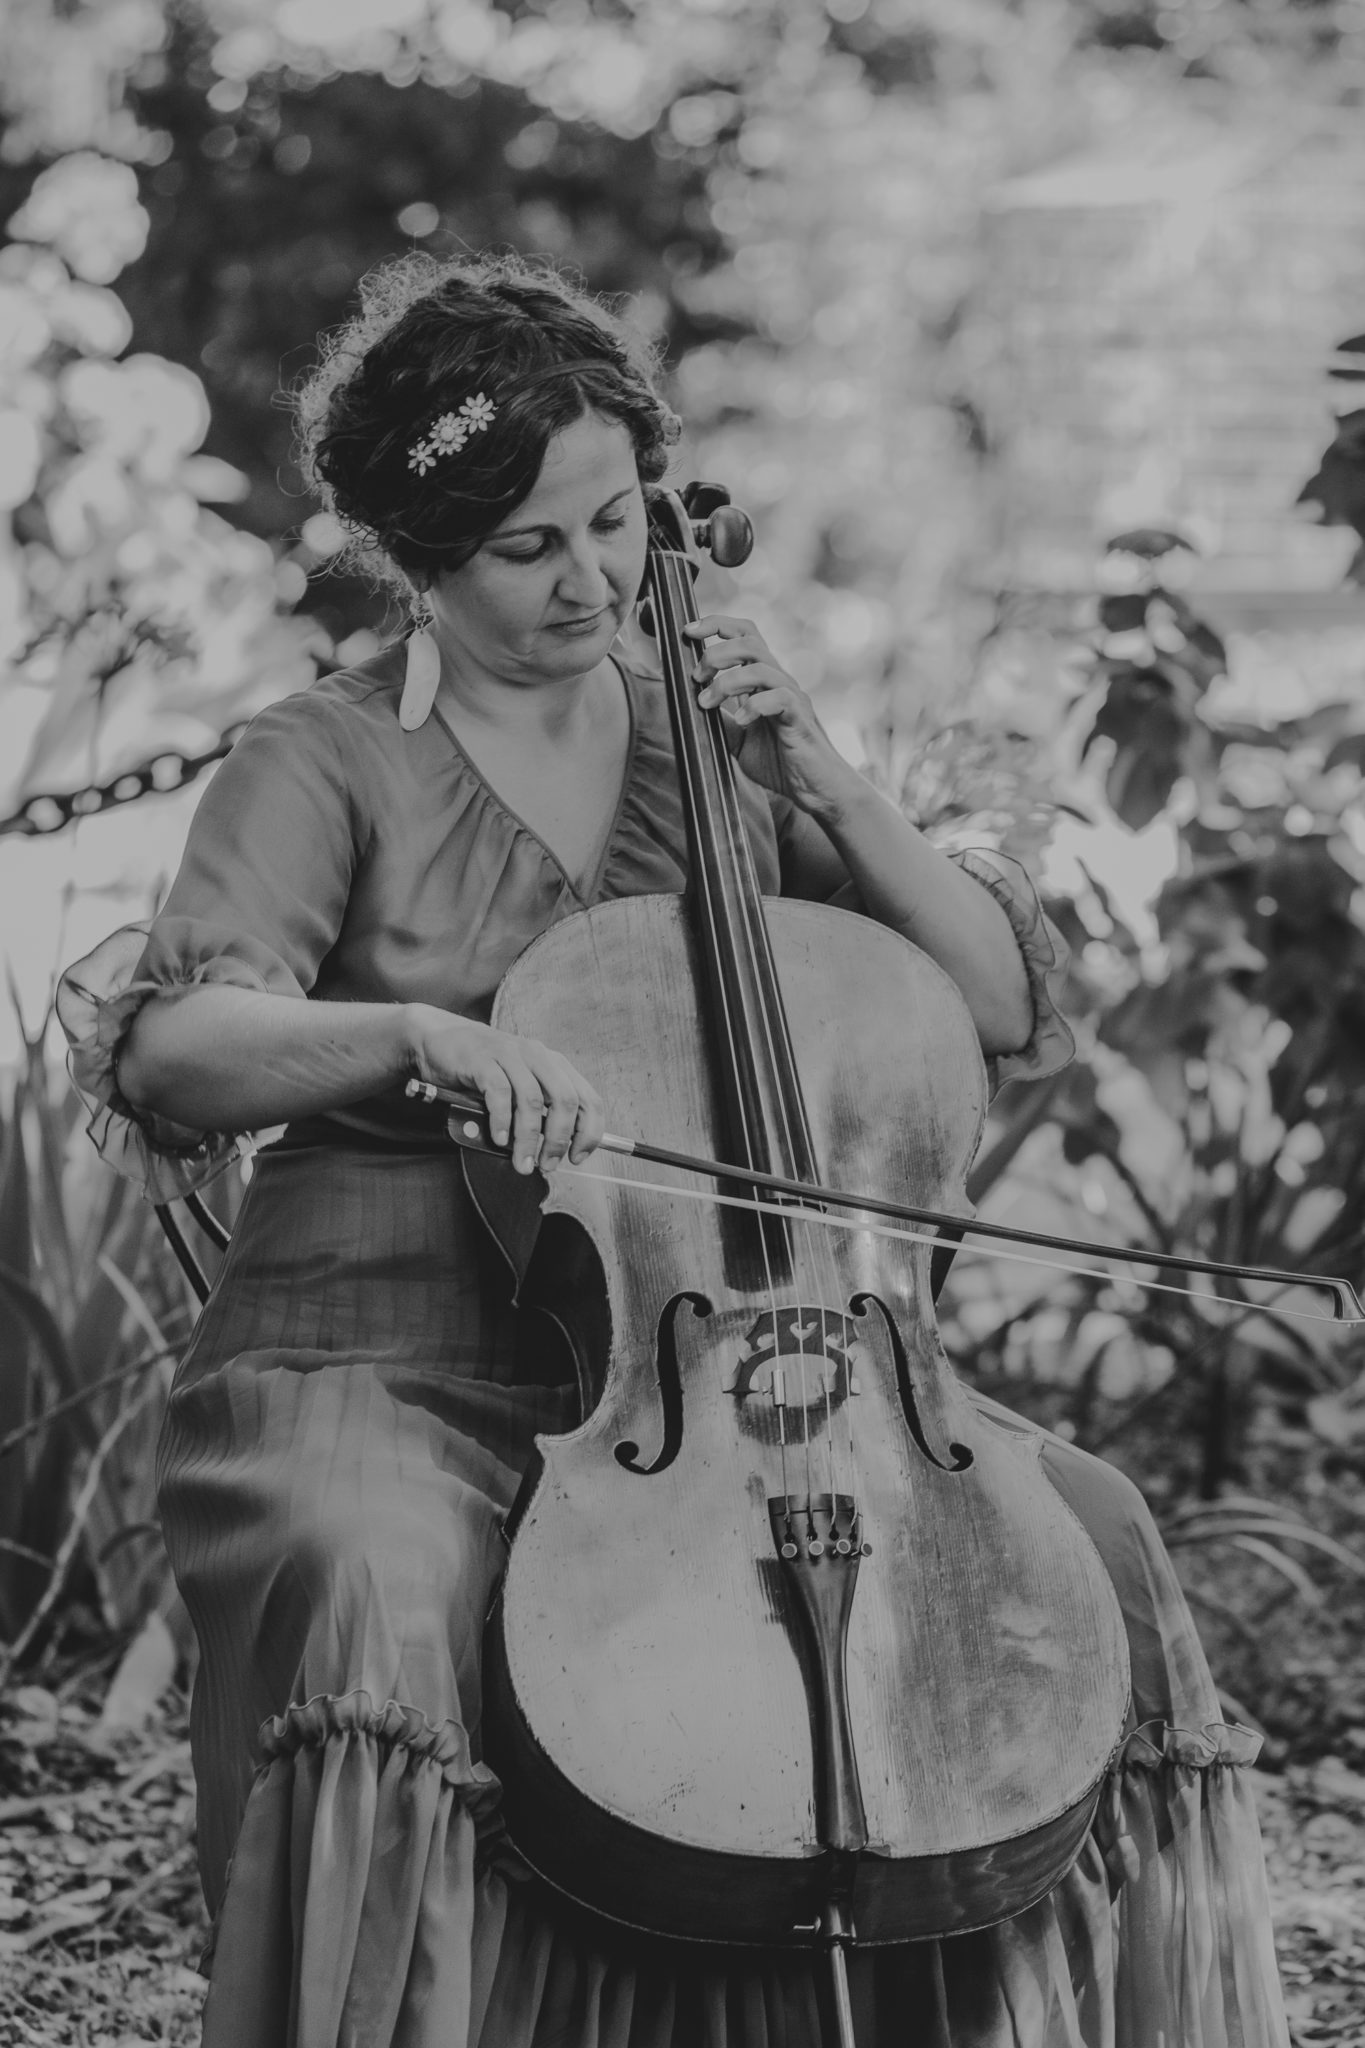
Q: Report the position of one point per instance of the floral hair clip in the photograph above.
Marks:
(451, 431)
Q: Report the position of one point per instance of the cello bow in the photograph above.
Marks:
(469, 1128)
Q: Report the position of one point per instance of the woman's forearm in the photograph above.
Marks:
(909, 885)
(219, 1058)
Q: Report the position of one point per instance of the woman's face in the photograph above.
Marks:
(548, 592)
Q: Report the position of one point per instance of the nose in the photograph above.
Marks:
(584, 584)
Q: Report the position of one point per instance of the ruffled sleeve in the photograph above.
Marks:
(1049, 1045)
(257, 904)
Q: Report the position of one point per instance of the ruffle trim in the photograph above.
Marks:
(98, 1001)
(312, 1723)
(1151, 1762)
(357, 1907)
(1050, 1045)
(1156, 1745)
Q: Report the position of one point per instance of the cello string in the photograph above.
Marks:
(670, 608)
(752, 907)
(817, 1250)
(821, 1219)
(742, 863)
(741, 857)
(819, 1262)
(679, 609)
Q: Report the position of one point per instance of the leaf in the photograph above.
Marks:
(35, 1312)
(1288, 1567)
(1350, 749)
(1124, 612)
(1210, 655)
(1149, 542)
(1353, 346)
(134, 1301)
(16, 1355)
(1122, 935)
(1337, 486)
(1140, 715)
(1253, 1503)
(1286, 1532)
(98, 1316)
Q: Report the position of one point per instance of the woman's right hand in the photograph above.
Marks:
(535, 1098)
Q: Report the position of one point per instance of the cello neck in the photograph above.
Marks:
(763, 1115)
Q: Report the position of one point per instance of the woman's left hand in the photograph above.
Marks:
(774, 732)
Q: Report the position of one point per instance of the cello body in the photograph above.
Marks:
(709, 1719)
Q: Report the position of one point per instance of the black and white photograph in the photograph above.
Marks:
(682, 1024)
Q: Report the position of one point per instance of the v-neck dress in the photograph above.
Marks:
(348, 1428)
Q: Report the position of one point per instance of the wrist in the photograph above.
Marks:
(409, 1027)
(839, 803)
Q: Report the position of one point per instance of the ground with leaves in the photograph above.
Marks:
(101, 1921)
(100, 1914)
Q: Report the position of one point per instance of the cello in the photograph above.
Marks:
(794, 1645)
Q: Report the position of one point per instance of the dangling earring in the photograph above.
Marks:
(422, 675)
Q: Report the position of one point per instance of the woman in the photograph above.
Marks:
(351, 1419)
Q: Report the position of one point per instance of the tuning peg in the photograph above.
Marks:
(730, 536)
(700, 500)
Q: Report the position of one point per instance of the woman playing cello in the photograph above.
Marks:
(362, 1395)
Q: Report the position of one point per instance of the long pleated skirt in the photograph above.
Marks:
(345, 1434)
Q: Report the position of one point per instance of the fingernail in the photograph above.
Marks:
(525, 1165)
(708, 698)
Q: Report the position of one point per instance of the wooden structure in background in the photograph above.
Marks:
(1158, 315)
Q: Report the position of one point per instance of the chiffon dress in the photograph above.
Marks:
(349, 1425)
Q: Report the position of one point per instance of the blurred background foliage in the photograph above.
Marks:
(800, 200)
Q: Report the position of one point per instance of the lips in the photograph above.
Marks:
(580, 625)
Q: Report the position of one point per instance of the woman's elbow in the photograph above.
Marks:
(150, 1058)
(138, 1074)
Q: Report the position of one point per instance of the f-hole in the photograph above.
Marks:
(669, 1377)
(960, 1455)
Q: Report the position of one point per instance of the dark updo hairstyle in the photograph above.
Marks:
(429, 336)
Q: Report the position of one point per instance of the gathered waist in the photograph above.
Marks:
(384, 1123)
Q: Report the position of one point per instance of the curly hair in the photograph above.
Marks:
(430, 335)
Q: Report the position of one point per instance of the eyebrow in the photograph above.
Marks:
(548, 526)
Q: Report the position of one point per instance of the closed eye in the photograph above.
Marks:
(604, 523)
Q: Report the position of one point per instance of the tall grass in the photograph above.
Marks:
(93, 1313)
